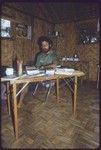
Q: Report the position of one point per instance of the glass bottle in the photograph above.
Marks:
(14, 63)
(19, 67)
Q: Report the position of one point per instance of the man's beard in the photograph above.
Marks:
(45, 50)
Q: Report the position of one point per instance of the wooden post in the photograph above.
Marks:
(8, 97)
(57, 89)
(15, 111)
(75, 94)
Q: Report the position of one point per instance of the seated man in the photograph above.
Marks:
(46, 58)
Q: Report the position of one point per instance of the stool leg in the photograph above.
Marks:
(36, 87)
(48, 92)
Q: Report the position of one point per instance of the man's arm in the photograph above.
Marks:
(50, 66)
(55, 61)
(37, 64)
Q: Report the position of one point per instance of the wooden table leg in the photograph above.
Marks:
(15, 111)
(75, 94)
(57, 89)
(23, 93)
(8, 97)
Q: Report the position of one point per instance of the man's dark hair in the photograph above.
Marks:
(44, 38)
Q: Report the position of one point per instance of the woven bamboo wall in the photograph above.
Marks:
(66, 45)
(69, 45)
(90, 53)
(20, 46)
(23, 47)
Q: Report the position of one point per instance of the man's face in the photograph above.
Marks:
(45, 46)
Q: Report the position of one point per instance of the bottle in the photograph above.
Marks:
(75, 56)
(19, 67)
(14, 63)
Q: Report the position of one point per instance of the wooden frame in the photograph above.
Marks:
(6, 28)
(88, 33)
(23, 31)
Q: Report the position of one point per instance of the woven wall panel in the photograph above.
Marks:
(90, 53)
(15, 15)
(24, 48)
(20, 17)
(86, 52)
(7, 12)
(18, 45)
(6, 52)
(66, 45)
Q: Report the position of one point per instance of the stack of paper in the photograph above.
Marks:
(64, 71)
(50, 71)
(31, 70)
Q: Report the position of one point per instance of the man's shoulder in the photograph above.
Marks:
(40, 54)
(52, 52)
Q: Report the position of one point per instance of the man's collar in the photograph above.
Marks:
(50, 51)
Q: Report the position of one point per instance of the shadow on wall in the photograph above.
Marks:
(33, 62)
(3, 70)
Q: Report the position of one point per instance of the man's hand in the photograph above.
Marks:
(50, 66)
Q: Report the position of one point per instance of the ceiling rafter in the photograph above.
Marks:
(41, 7)
(59, 12)
(53, 12)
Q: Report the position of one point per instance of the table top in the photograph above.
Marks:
(40, 77)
